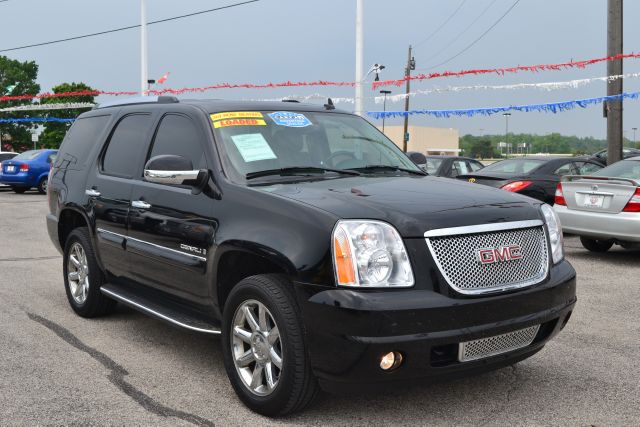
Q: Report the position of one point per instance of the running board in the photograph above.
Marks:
(159, 311)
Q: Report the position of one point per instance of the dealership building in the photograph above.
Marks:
(427, 140)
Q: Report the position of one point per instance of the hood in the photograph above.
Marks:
(412, 204)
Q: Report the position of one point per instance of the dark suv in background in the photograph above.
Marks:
(321, 254)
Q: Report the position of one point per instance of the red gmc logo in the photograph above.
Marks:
(499, 254)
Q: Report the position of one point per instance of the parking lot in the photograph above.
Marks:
(58, 368)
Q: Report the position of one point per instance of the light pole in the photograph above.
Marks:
(144, 73)
(359, 57)
(506, 131)
(634, 136)
(384, 105)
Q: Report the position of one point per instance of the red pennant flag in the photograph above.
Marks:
(163, 78)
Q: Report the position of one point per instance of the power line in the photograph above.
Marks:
(455, 12)
(462, 33)
(128, 27)
(470, 45)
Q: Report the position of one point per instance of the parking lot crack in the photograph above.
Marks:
(513, 386)
(117, 375)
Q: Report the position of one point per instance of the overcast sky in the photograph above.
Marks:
(303, 40)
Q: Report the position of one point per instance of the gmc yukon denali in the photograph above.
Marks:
(304, 237)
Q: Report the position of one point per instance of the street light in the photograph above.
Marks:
(384, 105)
(506, 131)
(634, 135)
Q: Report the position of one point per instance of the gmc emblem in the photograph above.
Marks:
(499, 254)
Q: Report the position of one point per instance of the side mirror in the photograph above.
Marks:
(417, 158)
(173, 170)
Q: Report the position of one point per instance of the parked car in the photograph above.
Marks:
(603, 209)
(5, 155)
(305, 237)
(451, 166)
(27, 170)
(602, 155)
(535, 177)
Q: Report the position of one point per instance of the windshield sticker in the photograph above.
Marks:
(238, 122)
(253, 147)
(289, 119)
(236, 115)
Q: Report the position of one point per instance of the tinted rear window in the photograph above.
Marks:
(125, 147)
(80, 139)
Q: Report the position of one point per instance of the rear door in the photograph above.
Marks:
(109, 185)
(171, 234)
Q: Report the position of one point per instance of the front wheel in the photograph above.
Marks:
(264, 349)
(595, 245)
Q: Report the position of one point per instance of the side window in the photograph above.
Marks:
(587, 168)
(565, 169)
(81, 138)
(475, 166)
(179, 135)
(125, 147)
(459, 167)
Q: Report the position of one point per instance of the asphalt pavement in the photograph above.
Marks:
(128, 369)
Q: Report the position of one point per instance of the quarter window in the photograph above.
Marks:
(125, 147)
(178, 135)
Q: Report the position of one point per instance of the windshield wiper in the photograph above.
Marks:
(389, 168)
(295, 170)
(364, 138)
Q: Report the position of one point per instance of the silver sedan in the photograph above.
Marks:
(604, 208)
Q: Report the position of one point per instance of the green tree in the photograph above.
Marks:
(54, 132)
(17, 78)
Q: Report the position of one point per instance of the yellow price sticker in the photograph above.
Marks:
(236, 115)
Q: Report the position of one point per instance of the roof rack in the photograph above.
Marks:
(139, 100)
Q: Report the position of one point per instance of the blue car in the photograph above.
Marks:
(27, 170)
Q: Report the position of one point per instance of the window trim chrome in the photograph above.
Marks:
(485, 228)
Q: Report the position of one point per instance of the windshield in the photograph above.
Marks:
(514, 166)
(624, 169)
(28, 155)
(433, 164)
(264, 141)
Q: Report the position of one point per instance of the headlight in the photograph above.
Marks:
(370, 254)
(555, 232)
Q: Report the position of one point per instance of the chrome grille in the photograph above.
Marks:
(455, 251)
(492, 346)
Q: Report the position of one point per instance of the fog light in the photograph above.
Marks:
(390, 361)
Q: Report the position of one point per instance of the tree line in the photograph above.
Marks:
(487, 146)
(20, 78)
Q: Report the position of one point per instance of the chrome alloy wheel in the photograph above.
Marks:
(78, 273)
(256, 347)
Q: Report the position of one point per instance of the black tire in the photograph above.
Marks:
(595, 245)
(296, 386)
(19, 190)
(42, 186)
(95, 303)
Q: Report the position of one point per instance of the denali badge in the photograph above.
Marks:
(499, 254)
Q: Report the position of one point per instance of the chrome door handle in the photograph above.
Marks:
(92, 193)
(140, 204)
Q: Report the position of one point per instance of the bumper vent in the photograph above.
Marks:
(498, 344)
(492, 257)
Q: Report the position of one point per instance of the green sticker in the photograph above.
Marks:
(253, 147)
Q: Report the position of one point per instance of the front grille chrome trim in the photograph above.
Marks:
(454, 232)
(498, 344)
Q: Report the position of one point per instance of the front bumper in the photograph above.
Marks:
(349, 331)
(623, 226)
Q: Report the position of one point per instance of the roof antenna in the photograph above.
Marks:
(329, 105)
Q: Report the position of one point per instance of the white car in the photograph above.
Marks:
(6, 155)
(603, 208)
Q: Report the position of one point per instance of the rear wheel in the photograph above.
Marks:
(595, 245)
(264, 349)
(83, 278)
(42, 185)
(19, 190)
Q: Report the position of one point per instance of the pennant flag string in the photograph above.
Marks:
(553, 107)
(43, 107)
(37, 120)
(503, 71)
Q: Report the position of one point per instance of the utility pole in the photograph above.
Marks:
(411, 65)
(144, 73)
(506, 131)
(614, 108)
(359, 58)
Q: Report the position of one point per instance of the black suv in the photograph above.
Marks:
(322, 255)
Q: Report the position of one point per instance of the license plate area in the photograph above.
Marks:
(497, 344)
(11, 169)
(593, 201)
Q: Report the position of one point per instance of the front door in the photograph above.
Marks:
(171, 229)
(109, 186)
